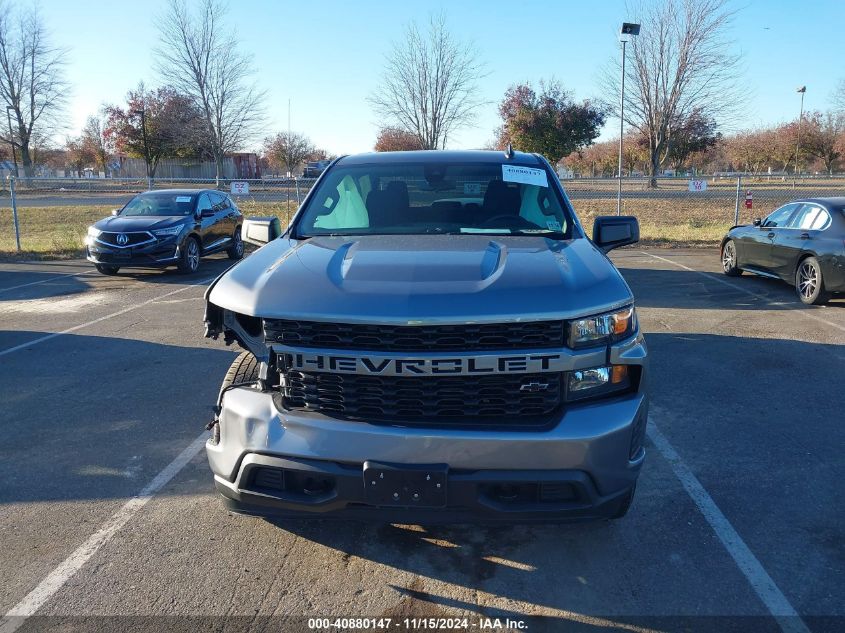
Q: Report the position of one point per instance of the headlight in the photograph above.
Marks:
(173, 230)
(597, 381)
(603, 328)
(93, 232)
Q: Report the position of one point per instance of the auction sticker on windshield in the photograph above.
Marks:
(524, 175)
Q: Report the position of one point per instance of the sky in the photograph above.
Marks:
(326, 57)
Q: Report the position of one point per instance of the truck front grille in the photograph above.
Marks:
(416, 338)
(494, 400)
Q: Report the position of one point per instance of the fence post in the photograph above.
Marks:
(15, 213)
(296, 181)
(738, 191)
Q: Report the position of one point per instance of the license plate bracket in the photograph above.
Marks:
(402, 485)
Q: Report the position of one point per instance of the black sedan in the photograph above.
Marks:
(165, 228)
(802, 243)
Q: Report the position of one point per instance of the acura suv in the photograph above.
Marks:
(434, 338)
(168, 227)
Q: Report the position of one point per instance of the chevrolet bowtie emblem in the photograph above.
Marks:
(534, 386)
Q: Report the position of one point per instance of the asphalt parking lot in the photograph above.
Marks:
(106, 384)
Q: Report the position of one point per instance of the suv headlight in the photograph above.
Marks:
(602, 329)
(597, 381)
(173, 230)
(94, 232)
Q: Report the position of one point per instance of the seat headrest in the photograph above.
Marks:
(501, 198)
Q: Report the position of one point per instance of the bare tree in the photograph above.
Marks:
(31, 79)
(429, 84)
(289, 149)
(200, 57)
(839, 96)
(679, 67)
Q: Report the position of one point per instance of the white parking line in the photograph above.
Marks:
(44, 281)
(802, 310)
(102, 318)
(57, 578)
(777, 604)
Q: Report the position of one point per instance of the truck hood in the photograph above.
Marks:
(422, 279)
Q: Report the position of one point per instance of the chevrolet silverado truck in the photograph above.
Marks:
(433, 338)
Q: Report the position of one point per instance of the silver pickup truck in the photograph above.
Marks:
(434, 338)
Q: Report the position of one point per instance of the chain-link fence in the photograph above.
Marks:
(53, 214)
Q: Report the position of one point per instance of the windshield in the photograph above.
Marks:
(416, 198)
(160, 203)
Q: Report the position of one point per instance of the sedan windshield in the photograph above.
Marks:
(417, 198)
(159, 203)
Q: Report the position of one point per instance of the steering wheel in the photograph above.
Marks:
(510, 221)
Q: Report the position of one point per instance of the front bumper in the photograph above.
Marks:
(158, 253)
(590, 461)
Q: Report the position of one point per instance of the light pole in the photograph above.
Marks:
(802, 90)
(9, 110)
(629, 30)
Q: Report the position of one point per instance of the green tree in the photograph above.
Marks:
(549, 122)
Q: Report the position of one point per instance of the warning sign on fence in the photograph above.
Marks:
(240, 188)
(748, 200)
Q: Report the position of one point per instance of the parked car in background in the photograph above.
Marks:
(315, 168)
(168, 227)
(802, 243)
(433, 338)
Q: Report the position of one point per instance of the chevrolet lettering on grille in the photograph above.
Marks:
(427, 366)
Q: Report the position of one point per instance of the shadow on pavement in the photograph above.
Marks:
(90, 417)
(660, 288)
(91, 280)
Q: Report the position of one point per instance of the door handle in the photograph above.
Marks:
(771, 235)
(805, 236)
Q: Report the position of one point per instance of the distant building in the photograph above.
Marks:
(247, 165)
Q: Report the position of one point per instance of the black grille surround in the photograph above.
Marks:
(132, 238)
(416, 338)
(494, 401)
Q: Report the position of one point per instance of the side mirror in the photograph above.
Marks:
(613, 231)
(207, 213)
(115, 211)
(259, 231)
(758, 222)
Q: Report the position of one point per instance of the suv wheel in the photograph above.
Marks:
(729, 260)
(809, 283)
(236, 250)
(103, 269)
(189, 260)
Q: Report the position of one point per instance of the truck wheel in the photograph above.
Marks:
(236, 250)
(243, 369)
(625, 504)
(729, 260)
(103, 269)
(809, 283)
(189, 260)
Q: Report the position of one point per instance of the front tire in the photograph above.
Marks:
(809, 283)
(729, 260)
(189, 260)
(236, 250)
(243, 369)
(104, 269)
